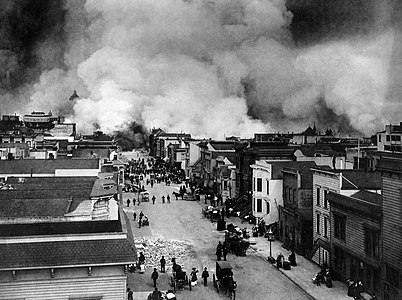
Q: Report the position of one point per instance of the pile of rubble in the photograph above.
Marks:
(153, 250)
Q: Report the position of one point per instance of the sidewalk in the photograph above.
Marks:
(302, 274)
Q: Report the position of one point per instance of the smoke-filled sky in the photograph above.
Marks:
(206, 67)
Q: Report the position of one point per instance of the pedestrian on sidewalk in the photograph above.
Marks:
(128, 202)
(205, 276)
(154, 276)
(219, 251)
(135, 215)
(163, 264)
(224, 250)
(168, 198)
(292, 259)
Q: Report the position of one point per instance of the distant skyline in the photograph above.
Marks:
(206, 67)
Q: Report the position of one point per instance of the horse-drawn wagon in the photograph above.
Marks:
(223, 279)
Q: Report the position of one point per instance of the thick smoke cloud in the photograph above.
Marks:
(221, 67)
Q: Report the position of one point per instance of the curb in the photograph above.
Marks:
(296, 283)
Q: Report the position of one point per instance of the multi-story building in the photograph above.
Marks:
(390, 139)
(296, 214)
(355, 238)
(391, 169)
(247, 153)
(344, 182)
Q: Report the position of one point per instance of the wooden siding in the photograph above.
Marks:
(354, 235)
(392, 220)
(110, 288)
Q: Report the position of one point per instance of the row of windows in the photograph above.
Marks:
(371, 237)
(394, 138)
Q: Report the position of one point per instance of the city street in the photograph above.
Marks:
(183, 221)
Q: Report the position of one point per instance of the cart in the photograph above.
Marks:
(179, 279)
(223, 280)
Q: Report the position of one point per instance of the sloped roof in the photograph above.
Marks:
(222, 145)
(302, 166)
(66, 253)
(367, 204)
(18, 208)
(357, 179)
(99, 190)
(44, 166)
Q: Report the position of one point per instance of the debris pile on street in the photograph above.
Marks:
(153, 250)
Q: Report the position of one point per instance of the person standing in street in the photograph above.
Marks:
(205, 275)
(163, 264)
(163, 199)
(193, 276)
(128, 202)
(134, 215)
(154, 276)
(168, 198)
(130, 294)
(153, 199)
(133, 201)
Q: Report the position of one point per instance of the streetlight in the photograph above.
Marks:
(271, 238)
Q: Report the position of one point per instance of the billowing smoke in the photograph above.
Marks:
(227, 67)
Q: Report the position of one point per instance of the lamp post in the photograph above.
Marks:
(271, 237)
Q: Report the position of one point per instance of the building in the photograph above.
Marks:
(355, 238)
(390, 139)
(65, 260)
(296, 214)
(41, 120)
(211, 152)
(391, 169)
(160, 140)
(247, 153)
(344, 182)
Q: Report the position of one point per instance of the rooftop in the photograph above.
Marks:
(44, 166)
(66, 253)
(361, 202)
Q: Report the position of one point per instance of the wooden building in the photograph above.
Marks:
(391, 169)
(355, 238)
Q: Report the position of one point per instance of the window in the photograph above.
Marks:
(387, 137)
(225, 185)
(392, 276)
(290, 194)
(318, 196)
(340, 227)
(259, 205)
(253, 184)
(379, 138)
(285, 190)
(294, 195)
(267, 187)
(259, 184)
(268, 208)
(325, 199)
(325, 226)
(318, 223)
(371, 242)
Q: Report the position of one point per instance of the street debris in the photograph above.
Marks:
(153, 250)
